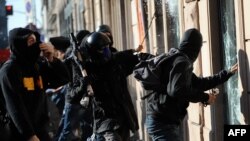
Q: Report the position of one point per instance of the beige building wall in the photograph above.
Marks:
(52, 28)
(243, 44)
(194, 117)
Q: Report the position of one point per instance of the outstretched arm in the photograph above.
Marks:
(206, 83)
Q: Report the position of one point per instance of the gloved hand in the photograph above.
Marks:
(85, 102)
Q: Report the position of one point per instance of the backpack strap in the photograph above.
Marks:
(147, 95)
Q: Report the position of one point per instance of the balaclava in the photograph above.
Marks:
(191, 43)
(19, 48)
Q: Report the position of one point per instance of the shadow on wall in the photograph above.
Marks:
(244, 72)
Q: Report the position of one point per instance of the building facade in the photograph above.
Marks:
(158, 26)
(3, 26)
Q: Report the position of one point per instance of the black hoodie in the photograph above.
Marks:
(191, 43)
(182, 85)
(22, 83)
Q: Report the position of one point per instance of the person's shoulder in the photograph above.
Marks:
(8, 68)
(113, 49)
(182, 61)
(8, 65)
(182, 58)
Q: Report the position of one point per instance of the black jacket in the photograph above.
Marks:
(182, 87)
(113, 105)
(23, 87)
(23, 90)
(77, 84)
(181, 84)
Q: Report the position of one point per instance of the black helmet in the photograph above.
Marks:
(97, 45)
(97, 40)
(103, 28)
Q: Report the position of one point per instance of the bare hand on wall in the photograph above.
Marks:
(234, 68)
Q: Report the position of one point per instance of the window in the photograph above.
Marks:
(173, 26)
(228, 36)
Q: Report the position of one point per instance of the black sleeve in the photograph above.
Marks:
(77, 87)
(128, 59)
(12, 91)
(54, 73)
(145, 56)
(201, 84)
(206, 83)
(180, 82)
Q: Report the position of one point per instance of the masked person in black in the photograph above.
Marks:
(181, 87)
(85, 111)
(74, 116)
(113, 112)
(23, 80)
(107, 31)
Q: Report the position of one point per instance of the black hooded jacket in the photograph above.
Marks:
(182, 85)
(23, 83)
(113, 105)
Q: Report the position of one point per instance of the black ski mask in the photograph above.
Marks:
(33, 52)
(191, 43)
(19, 47)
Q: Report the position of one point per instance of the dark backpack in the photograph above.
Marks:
(148, 72)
